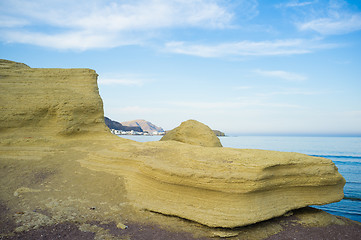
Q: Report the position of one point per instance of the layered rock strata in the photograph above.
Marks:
(220, 187)
(217, 187)
(49, 101)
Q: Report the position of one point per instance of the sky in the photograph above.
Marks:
(245, 67)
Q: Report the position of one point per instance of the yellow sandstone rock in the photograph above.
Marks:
(217, 187)
(195, 133)
(220, 187)
(49, 102)
(122, 226)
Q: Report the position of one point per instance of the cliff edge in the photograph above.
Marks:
(52, 102)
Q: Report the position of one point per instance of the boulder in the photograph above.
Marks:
(220, 187)
(193, 132)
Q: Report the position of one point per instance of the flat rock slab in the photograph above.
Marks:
(220, 187)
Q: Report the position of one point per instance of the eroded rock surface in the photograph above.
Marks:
(52, 120)
(220, 187)
(195, 133)
(50, 102)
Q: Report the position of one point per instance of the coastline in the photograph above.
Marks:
(64, 174)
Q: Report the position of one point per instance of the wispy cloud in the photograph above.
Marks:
(103, 23)
(247, 48)
(289, 76)
(75, 40)
(333, 18)
(292, 92)
(334, 25)
(295, 3)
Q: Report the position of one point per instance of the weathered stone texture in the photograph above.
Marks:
(195, 133)
(218, 187)
(57, 101)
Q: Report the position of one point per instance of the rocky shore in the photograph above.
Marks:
(65, 176)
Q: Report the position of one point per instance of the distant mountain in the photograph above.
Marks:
(145, 125)
(118, 126)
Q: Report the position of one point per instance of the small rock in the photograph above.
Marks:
(122, 226)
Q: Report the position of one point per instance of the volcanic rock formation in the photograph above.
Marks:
(52, 119)
(195, 133)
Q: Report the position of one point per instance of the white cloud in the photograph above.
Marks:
(124, 15)
(334, 25)
(333, 18)
(247, 48)
(292, 92)
(289, 76)
(296, 3)
(103, 23)
(78, 40)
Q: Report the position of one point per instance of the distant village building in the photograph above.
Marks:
(132, 132)
(158, 133)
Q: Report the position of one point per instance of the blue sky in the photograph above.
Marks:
(243, 67)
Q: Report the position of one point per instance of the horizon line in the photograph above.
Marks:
(236, 134)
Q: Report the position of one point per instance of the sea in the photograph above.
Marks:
(345, 152)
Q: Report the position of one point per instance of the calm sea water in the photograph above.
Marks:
(345, 152)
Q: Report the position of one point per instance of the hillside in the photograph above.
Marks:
(118, 126)
(145, 125)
